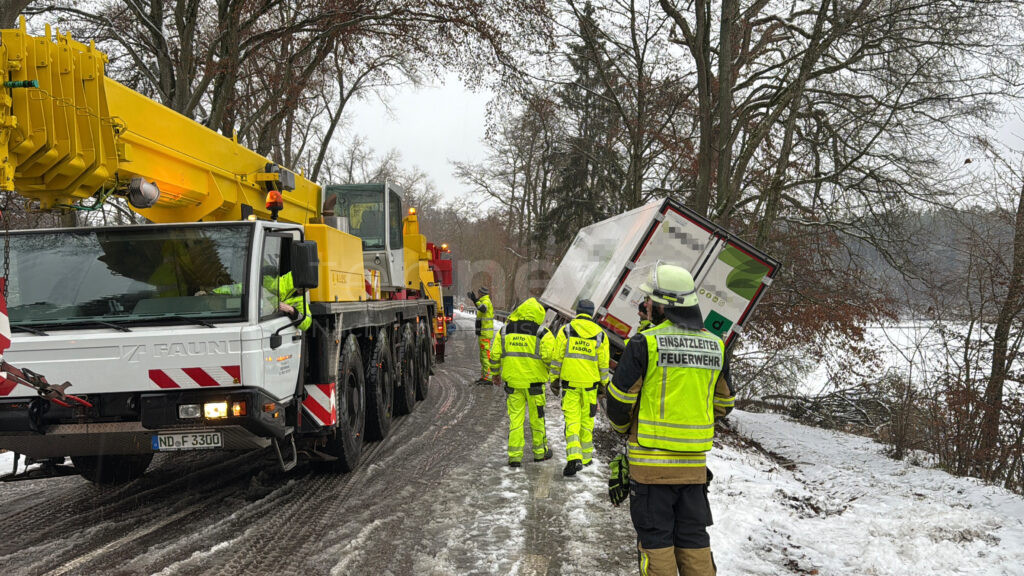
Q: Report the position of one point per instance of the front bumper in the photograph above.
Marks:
(130, 429)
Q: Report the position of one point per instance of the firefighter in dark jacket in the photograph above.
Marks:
(670, 385)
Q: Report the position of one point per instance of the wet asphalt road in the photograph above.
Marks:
(434, 497)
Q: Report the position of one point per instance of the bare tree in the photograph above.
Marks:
(10, 10)
(834, 102)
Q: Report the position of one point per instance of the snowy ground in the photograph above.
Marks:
(845, 508)
(436, 498)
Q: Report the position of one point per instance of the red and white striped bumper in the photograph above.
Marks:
(196, 377)
(321, 404)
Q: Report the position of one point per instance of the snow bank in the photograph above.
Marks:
(845, 508)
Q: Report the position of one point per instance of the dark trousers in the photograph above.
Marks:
(670, 515)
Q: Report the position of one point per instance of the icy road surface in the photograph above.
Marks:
(436, 498)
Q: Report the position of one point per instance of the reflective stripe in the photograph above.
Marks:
(555, 363)
(729, 402)
(579, 356)
(676, 440)
(520, 355)
(682, 426)
(573, 451)
(663, 458)
(664, 386)
(670, 461)
(621, 429)
(623, 397)
(587, 445)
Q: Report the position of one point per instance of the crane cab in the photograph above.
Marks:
(374, 214)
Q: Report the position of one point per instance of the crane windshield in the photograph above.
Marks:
(366, 216)
(127, 275)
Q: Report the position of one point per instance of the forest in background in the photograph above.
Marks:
(857, 141)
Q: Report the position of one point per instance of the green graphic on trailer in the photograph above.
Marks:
(717, 324)
(746, 275)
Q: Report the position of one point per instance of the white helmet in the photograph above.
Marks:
(670, 285)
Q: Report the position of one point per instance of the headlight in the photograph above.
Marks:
(188, 411)
(215, 410)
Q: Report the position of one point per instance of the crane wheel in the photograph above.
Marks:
(347, 442)
(405, 395)
(380, 387)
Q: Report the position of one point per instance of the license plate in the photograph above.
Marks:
(187, 441)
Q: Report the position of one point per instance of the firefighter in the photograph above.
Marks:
(484, 330)
(644, 310)
(579, 367)
(659, 396)
(520, 357)
(290, 301)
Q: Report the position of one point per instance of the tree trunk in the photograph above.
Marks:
(9, 11)
(993, 404)
(730, 13)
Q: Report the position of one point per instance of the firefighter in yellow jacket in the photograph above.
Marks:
(670, 385)
(579, 367)
(484, 330)
(520, 357)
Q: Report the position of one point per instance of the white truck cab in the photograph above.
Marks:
(174, 334)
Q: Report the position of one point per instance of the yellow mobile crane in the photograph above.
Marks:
(192, 332)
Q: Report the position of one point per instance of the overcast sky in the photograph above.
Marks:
(430, 126)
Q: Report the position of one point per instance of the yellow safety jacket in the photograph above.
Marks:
(677, 397)
(523, 349)
(284, 287)
(484, 317)
(667, 400)
(581, 353)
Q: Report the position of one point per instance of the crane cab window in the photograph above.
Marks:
(396, 215)
(365, 212)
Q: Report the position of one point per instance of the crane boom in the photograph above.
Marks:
(69, 133)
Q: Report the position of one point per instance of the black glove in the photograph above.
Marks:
(471, 296)
(556, 387)
(618, 484)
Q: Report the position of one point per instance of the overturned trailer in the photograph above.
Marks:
(608, 261)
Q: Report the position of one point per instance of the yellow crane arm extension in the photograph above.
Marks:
(69, 133)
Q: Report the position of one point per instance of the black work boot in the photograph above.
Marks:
(572, 467)
(515, 464)
(547, 455)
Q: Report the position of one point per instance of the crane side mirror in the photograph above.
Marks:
(305, 265)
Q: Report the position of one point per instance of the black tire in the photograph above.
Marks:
(424, 362)
(405, 395)
(112, 468)
(380, 388)
(347, 442)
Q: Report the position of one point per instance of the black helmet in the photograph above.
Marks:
(585, 307)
